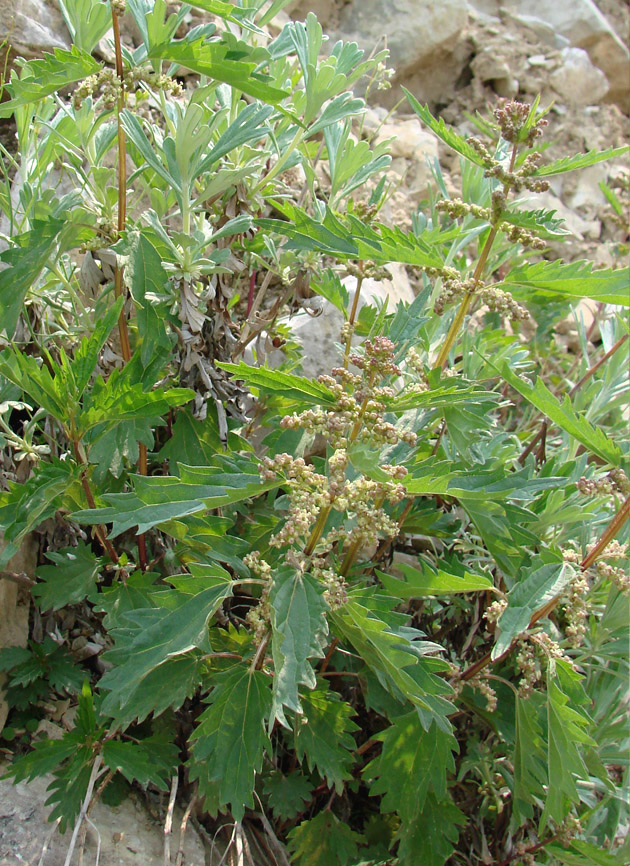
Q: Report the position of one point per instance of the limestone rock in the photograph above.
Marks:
(577, 81)
(127, 834)
(31, 27)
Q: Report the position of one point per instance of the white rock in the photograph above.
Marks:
(577, 81)
(32, 26)
(128, 835)
(409, 139)
(320, 336)
(587, 193)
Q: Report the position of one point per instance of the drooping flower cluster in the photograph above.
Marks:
(616, 481)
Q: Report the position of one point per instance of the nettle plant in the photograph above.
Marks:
(381, 617)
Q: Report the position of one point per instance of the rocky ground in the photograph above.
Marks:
(460, 57)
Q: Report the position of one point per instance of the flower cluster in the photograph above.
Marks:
(356, 415)
(535, 647)
(577, 608)
(616, 481)
(513, 120)
(502, 302)
(482, 683)
(108, 85)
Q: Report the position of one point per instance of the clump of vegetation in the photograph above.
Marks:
(394, 630)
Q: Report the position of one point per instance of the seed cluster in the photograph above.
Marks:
(107, 84)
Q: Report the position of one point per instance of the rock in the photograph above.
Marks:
(320, 335)
(573, 222)
(587, 193)
(409, 139)
(584, 26)
(14, 606)
(31, 27)
(128, 835)
(577, 81)
(422, 37)
(493, 69)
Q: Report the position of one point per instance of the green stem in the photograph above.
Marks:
(351, 318)
(458, 321)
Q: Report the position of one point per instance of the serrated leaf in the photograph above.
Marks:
(581, 853)
(25, 261)
(230, 739)
(574, 280)
(535, 588)
(287, 795)
(212, 59)
(566, 731)
(299, 631)
(40, 78)
(26, 505)
(412, 763)
(530, 761)
(580, 160)
(147, 647)
(354, 238)
(444, 132)
(400, 666)
(430, 838)
(541, 222)
(324, 841)
(323, 735)
(136, 761)
(564, 416)
(87, 355)
(428, 581)
(70, 580)
(292, 387)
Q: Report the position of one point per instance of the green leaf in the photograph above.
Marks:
(574, 280)
(444, 132)
(428, 581)
(87, 355)
(580, 853)
(412, 763)
(324, 841)
(230, 739)
(580, 160)
(158, 499)
(136, 761)
(530, 761)
(323, 735)
(541, 222)
(287, 796)
(26, 260)
(566, 731)
(292, 387)
(536, 587)
(40, 78)
(26, 505)
(430, 838)
(87, 20)
(299, 632)
(161, 637)
(400, 665)
(212, 59)
(354, 239)
(70, 580)
(594, 439)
